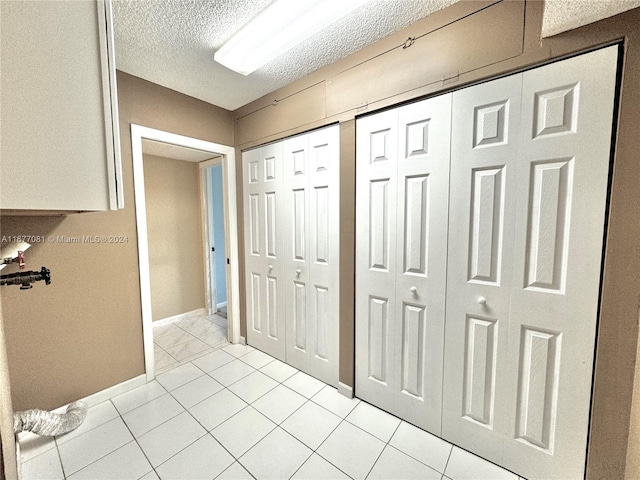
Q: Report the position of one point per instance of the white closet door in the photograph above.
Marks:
(563, 165)
(296, 247)
(311, 260)
(376, 200)
(324, 259)
(484, 154)
(262, 171)
(421, 259)
(402, 201)
(522, 312)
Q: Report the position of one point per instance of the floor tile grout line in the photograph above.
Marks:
(122, 414)
(322, 443)
(64, 475)
(376, 461)
(394, 432)
(238, 462)
(106, 454)
(448, 459)
(201, 354)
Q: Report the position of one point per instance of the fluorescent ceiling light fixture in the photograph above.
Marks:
(282, 25)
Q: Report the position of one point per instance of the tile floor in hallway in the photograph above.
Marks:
(232, 412)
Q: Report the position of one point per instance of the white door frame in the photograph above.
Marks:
(207, 223)
(228, 158)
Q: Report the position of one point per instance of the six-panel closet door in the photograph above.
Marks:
(311, 242)
(401, 235)
(525, 250)
(265, 291)
(291, 206)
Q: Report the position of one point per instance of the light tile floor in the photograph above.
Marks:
(232, 412)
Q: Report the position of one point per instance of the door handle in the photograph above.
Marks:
(414, 290)
(482, 300)
(298, 272)
(270, 267)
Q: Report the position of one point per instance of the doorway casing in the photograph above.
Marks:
(227, 155)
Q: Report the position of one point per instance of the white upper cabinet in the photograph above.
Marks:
(58, 122)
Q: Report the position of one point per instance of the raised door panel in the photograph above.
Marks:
(421, 259)
(562, 178)
(376, 306)
(484, 153)
(265, 288)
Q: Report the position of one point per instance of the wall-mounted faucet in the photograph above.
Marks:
(25, 279)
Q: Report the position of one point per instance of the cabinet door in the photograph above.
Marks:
(60, 145)
(262, 171)
(402, 199)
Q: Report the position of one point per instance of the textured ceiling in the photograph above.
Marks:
(563, 15)
(172, 42)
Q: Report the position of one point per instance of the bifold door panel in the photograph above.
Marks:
(478, 267)
(262, 172)
(311, 270)
(291, 243)
(483, 200)
(401, 226)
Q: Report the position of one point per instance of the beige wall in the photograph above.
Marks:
(83, 333)
(174, 228)
(461, 45)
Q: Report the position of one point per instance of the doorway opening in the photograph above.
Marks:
(224, 156)
(214, 206)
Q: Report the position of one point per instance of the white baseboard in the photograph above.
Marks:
(221, 305)
(18, 459)
(169, 320)
(345, 390)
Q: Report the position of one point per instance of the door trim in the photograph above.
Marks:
(138, 133)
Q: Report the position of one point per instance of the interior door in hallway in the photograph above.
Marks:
(262, 177)
(402, 196)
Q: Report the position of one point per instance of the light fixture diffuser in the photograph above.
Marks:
(282, 25)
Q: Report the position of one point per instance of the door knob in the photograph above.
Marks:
(482, 301)
(413, 290)
(270, 267)
(298, 272)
